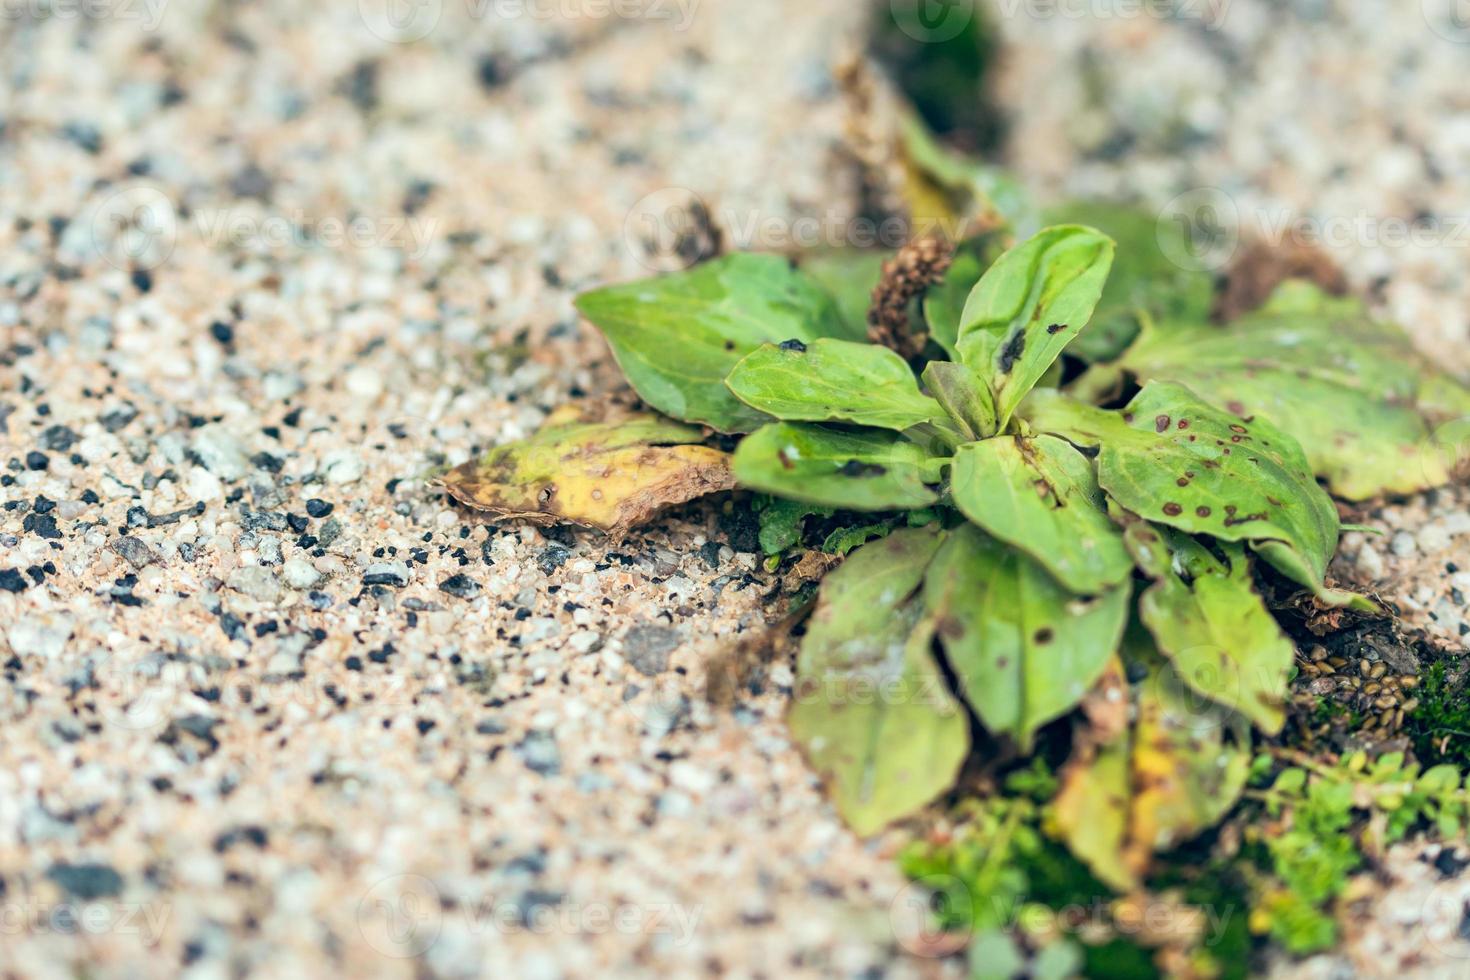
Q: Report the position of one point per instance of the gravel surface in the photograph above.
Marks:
(272, 707)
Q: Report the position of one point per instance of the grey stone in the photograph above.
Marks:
(220, 452)
(135, 552)
(256, 582)
(300, 574)
(87, 882)
(539, 752)
(647, 648)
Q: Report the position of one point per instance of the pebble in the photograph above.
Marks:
(539, 752)
(342, 467)
(300, 575)
(220, 453)
(393, 573)
(461, 587)
(256, 582)
(1369, 563)
(134, 551)
(647, 648)
(87, 882)
(1433, 538)
(1403, 544)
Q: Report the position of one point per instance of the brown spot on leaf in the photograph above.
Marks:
(1202, 512)
(1056, 328)
(1044, 635)
(1173, 509)
(1161, 424)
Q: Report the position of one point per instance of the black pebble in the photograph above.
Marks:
(11, 580)
(317, 507)
(36, 460)
(460, 586)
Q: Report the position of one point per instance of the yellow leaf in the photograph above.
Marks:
(612, 476)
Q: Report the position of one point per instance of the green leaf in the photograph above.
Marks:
(833, 381)
(849, 276)
(1208, 619)
(845, 539)
(609, 475)
(872, 710)
(866, 469)
(1144, 280)
(1040, 495)
(1193, 467)
(1353, 392)
(1029, 306)
(1024, 649)
(967, 401)
(677, 337)
(1050, 411)
(782, 521)
(944, 303)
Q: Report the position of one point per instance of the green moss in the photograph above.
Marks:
(1440, 727)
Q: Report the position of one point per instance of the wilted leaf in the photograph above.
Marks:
(609, 475)
(678, 336)
(1040, 495)
(1090, 812)
(849, 276)
(1196, 468)
(1186, 773)
(834, 381)
(867, 469)
(1024, 649)
(1347, 388)
(1030, 305)
(1209, 620)
(1183, 766)
(1144, 280)
(872, 709)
